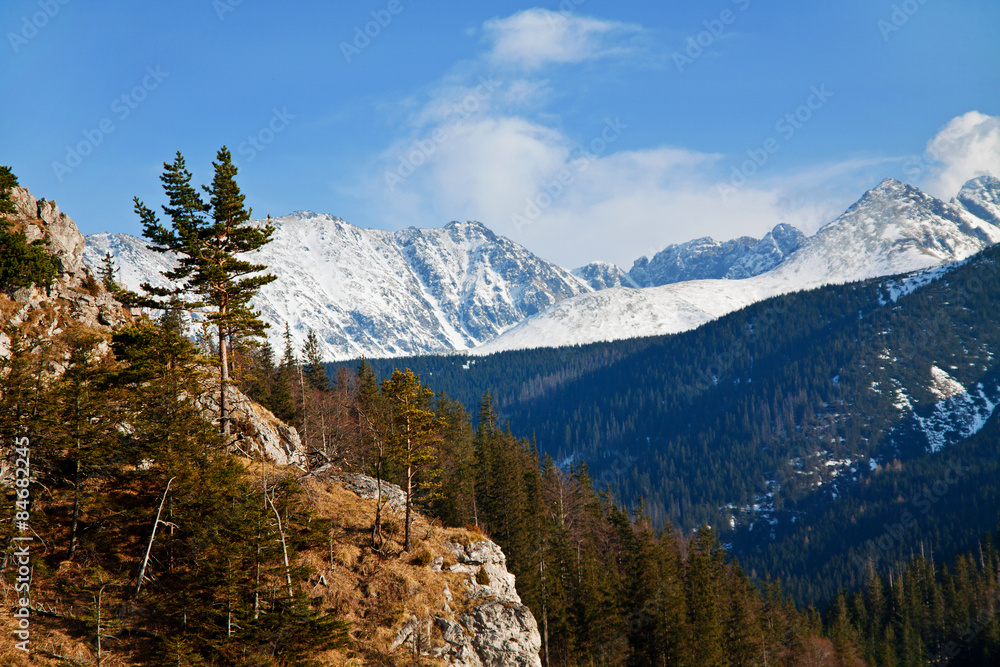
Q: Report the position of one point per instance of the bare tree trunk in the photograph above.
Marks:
(100, 656)
(305, 414)
(149, 547)
(256, 589)
(223, 379)
(377, 539)
(284, 547)
(76, 509)
(407, 546)
(475, 507)
(322, 428)
(545, 616)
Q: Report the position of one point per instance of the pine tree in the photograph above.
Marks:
(704, 573)
(209, 240)
(108, 273)
(457, 464)
(415, 435)
(8, 181)
(80, 425)
(315, 369)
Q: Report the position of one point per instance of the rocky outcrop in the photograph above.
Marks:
(494, 630)
(497, 630)
(78, 297)
(366, 487)
(75, 296)
(256, 428)
(483, 622)
(43, 220)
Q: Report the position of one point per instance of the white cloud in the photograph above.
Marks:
(966, 147)
(485, 149)
(574, 203)
(536, 37)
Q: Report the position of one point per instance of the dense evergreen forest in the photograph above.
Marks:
(778, 418)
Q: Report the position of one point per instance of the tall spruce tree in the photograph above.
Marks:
(415, 435)
(315, 369)
(209, 240)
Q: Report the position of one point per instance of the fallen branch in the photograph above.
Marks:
(149, 547)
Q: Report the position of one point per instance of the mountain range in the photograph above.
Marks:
(376, 293)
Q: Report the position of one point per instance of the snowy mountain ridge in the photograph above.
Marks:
(461, 287)
(893, 229)
(379, 293)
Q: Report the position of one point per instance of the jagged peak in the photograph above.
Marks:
(309, 216)
(889, 187)
(470, 227)
(987, 182)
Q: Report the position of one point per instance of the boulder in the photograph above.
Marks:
(256, 427)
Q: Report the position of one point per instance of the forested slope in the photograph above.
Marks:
(789, 408)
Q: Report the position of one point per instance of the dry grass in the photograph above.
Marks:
(376, 591)
(380, 591)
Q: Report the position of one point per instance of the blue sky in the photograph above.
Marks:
(584, 130)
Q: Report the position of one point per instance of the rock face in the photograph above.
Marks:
(366, 487)
(706, 258)
(602, 275)
(256, 427)
(497, 629)
(981, 197)
(768, 253)
(75, 295)
(44, 220)
(492, 629)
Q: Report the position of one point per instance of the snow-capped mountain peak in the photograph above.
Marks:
(981, 197)
(380, 293)
(894, 228)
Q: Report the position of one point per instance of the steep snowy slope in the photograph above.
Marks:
(894, 228)
(379, 293)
